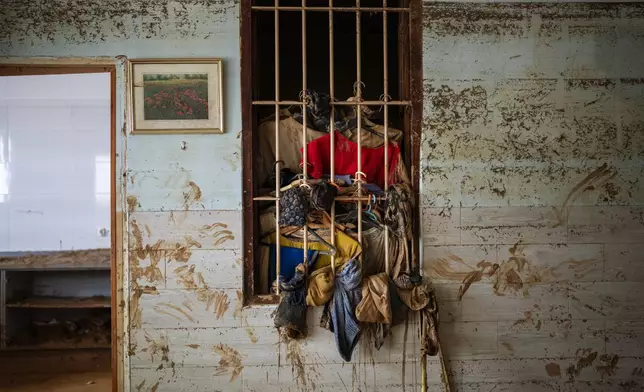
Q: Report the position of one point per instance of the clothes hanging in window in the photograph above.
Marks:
(345, 158)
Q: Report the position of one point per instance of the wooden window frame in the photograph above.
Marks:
(411, 89)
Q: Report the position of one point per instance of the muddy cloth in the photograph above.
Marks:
(429, 327)
(290, 142)
(346, 152)
(373, 242)
(322, 196)
(415, 296)
(375, 306)
(291, 312)
(346, 296)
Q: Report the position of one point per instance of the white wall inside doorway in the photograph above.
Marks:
(54, 162)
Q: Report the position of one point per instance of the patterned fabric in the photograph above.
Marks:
(293, 208)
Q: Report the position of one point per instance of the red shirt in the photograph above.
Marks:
(346, 159)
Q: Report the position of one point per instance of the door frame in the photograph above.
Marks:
(63, 66)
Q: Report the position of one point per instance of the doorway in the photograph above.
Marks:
(57, 228)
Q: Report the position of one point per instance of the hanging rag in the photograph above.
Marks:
(346, 296)
(415, 295)
(373, 242)
(375, 306)
(290, 316)
(319, 159)
(322, 196)
(429, 327)
(398, 210)
(320, 288)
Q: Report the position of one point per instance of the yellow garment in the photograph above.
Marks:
(320, 288)
(346, 247)
(375, 306)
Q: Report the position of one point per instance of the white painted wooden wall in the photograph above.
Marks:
(54, 162)
(522, 103)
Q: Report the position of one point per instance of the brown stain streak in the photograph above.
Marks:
(192, 195)
(594, 180)
(230, 361)
(132, 203)
(294, 354)
(176, 308)
(193, 346)
(251, 335)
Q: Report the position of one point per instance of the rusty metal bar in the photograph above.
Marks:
(385, 66)
(332, 125)
(323, 9)
(338, 103)
(277, 148)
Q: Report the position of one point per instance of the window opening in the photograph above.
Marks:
(329, 142)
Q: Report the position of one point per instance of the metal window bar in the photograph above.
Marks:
(384, 102)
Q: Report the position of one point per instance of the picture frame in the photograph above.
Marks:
(168, 96)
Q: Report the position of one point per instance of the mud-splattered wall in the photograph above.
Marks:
(532, 154)
(533, 199)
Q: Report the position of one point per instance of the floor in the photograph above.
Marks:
(71, 382)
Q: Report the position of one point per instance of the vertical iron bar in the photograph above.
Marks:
(277, 147)
(332, 126)
(359, 117)
(304, 129)
(385, 66)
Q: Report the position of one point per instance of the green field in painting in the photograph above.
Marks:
(175, 98)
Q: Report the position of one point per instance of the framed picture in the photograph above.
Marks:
(176, 96)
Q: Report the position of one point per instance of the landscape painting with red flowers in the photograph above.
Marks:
(175, 96)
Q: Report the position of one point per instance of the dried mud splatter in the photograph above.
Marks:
(136, 313)
(587, 359)
(132, 203)
(174, 311)
(192, 196)
(608, 366)
(251, 334)
(592, 181)
(485, 269)
(230, 361)
(193, 346)
(553, 369)
(151, 388)
(294, 355)
(218, 232)
(157, 347)
(239, 305)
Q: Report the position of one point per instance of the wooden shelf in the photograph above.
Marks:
(62, 260)
(58, 346)
(61, 303)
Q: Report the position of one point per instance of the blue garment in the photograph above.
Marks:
(347, 295)
(289, 259)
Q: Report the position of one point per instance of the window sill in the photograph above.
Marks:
(267, 299)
